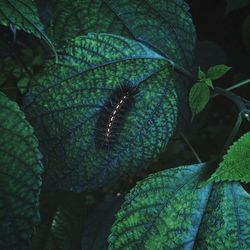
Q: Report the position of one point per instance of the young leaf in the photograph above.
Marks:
(20, 177)
(209, 83)
(236, 163)
(65, 101)
(217, 71)
(198, 97)
(170, 210)
(23, 15)
(165, 25)
(201, 74)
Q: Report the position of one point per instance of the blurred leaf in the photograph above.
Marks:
(217, 71)
(246, 33)
(236, 163)
(97, 225)
(236, 4)
(208, 53)
(3, 78)
(23, 15)
(23, 84)
(66, 98)
(20, 177)
(171, 210)
(165, 25)
(198, 97)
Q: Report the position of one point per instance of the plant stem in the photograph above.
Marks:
(232, 135)
(237, 85)
(190, 147)
(233, 97)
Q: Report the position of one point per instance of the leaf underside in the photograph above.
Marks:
(236, 163)
(20, 177)
(65, 100)
(171, 210)
(166, 25)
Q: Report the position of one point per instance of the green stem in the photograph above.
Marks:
(233, 97)
(238, 85)
(232, 135)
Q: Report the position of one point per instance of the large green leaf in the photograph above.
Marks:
(66, 98)
(172, 210)
(23, 15)
(165, 25)
(236, 163)
(20, 177)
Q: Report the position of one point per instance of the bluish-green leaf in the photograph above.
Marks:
(23, 14)
(64, 103)
(164, 25)
(171, 210)
(20, 177)
(236, 163)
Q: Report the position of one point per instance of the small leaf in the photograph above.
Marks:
(169, 210)
(236, 163)
(23, 15)
(201, 74)
(236, 4)
(20, 177)
(23, 84)
(198, 97)
(209, 83)
(217, 71)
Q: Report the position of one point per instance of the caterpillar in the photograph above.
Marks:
(112, 115)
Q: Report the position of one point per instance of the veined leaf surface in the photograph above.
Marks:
(236, 163)
(20, 177)
(171, 210)
(165, 25)
(66, 98)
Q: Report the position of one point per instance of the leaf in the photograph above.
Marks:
(201, 74)
(165, 25)
(209, 83)
(246, 33)
(66, 98)
(235, 5)
(198, 97)
(97, 225)
(217, 71)
(236, 163)
(23, 84)
(23, 15)
(170, 210)
(20, 177)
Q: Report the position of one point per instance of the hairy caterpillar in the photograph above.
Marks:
(112, 115)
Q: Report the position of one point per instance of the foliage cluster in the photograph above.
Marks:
(60, 62)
